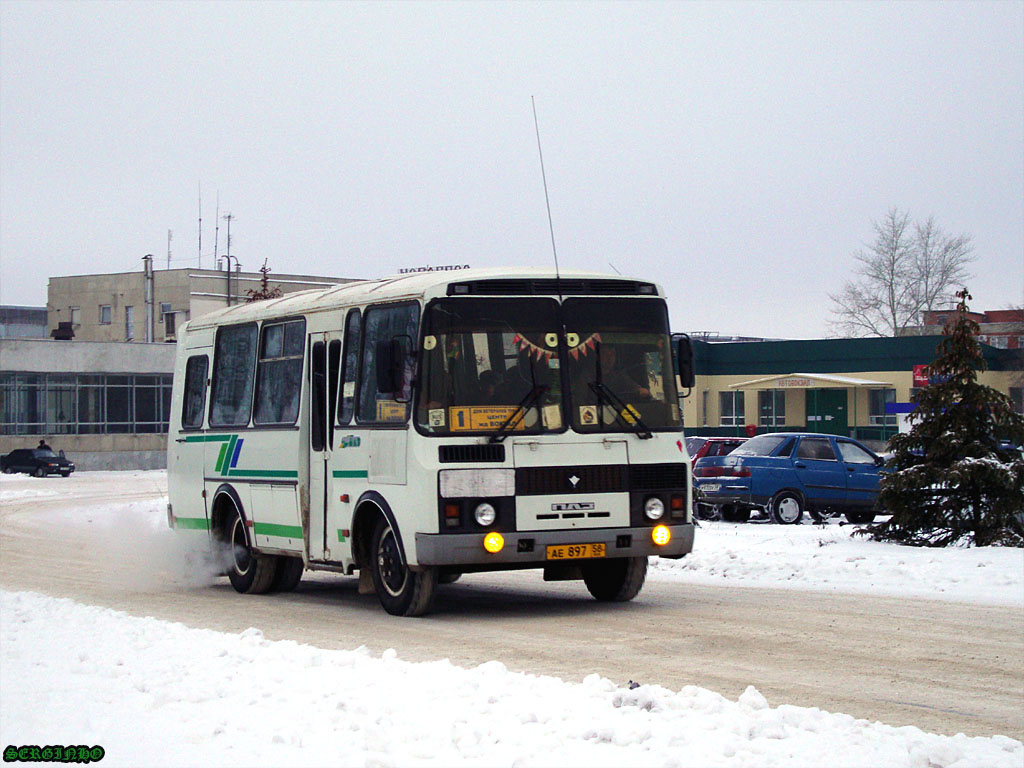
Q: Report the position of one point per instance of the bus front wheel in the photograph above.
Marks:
(616, 580)
(402, 592)
(248, 572)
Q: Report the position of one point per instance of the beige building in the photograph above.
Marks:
(150, 305)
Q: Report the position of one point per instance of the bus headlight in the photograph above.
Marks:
(654, 508)
(661, 535)
(494, 542)
(485, 514)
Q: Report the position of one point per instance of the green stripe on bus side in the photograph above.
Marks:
(220, 457)
(192, 523)
(281, 473)
(207, 438)
(283, 531)
(341, 536)
(350, 473)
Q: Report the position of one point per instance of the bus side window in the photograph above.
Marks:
(194, 401)
(234, 363)
(347, 402)
(318, 388)
(333, 365)
(279, 372)
(384, 323)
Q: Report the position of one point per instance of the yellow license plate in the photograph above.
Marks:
(575, 551)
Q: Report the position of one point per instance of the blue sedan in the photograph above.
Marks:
(788, 474)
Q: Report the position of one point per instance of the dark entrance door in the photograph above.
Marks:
(826, 411)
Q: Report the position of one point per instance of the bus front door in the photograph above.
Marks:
(325, 359)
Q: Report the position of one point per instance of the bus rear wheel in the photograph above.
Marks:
(248, 571)
(401, 591)
(616, 580)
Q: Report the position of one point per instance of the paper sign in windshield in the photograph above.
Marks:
(482, 417)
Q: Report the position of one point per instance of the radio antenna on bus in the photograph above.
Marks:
(547, 200)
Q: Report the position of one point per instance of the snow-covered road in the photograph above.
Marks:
(158, 692)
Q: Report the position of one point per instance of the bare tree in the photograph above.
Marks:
(906, 271)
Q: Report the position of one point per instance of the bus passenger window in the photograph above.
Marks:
(279, 373)
(195, 392)
(233, 365)
(347, 402)
(384, 323)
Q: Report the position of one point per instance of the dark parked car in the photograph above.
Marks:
(788, 474)
(36, 461)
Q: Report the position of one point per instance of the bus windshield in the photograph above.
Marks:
(620, 365)
(488, 365)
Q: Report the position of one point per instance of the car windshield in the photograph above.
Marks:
(762, 445)
(44, 453)
(693, 444)
(620, 365)
(489, 364)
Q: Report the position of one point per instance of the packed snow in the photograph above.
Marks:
(158, 693)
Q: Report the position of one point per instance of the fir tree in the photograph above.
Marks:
(956, 477)
(265, 292)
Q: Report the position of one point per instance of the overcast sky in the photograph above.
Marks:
(737, 153)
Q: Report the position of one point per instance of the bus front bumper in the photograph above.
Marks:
(525, 548)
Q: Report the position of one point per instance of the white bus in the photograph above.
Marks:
(419, 427)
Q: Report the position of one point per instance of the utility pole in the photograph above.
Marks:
(228, 217)
(170, 236)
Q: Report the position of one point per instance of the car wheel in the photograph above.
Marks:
(248, 571)
(401, 591)
(821, 515)
(40, 472)
(732, 513)
(860, 518)
(448, 578)
(616, 580)
(8, 471)
(786, 508)
(705, 511)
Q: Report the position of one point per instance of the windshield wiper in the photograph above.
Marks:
(519, 413)
(604, 393)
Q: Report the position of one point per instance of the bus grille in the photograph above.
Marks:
(602, 478)
(455, 454)
(537, 481)
(655, 477)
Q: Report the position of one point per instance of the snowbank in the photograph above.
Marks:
(156, 693)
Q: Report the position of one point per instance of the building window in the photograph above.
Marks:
(771, 405)
(876, 410)
(76, 315)
(731, 407)
(170, 324)
(83, 404)
(129, 323)
(165, 307)
(104, 314)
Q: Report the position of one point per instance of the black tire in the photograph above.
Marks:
(249, 572)
(289, 574)
(703, 511)
(616, 580)
(401, 591)
(8, 471)
(733, 513)
(860, 517)
(65, 474)
(786, 508)
(822, 515)
(40, 472)
(448, 578)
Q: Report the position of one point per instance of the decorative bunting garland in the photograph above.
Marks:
(539, 352)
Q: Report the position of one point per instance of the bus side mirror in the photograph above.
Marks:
(684, 358)
(390, 363)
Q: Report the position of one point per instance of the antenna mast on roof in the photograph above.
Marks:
(547, 201)
(216, 232)
(200, 260)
